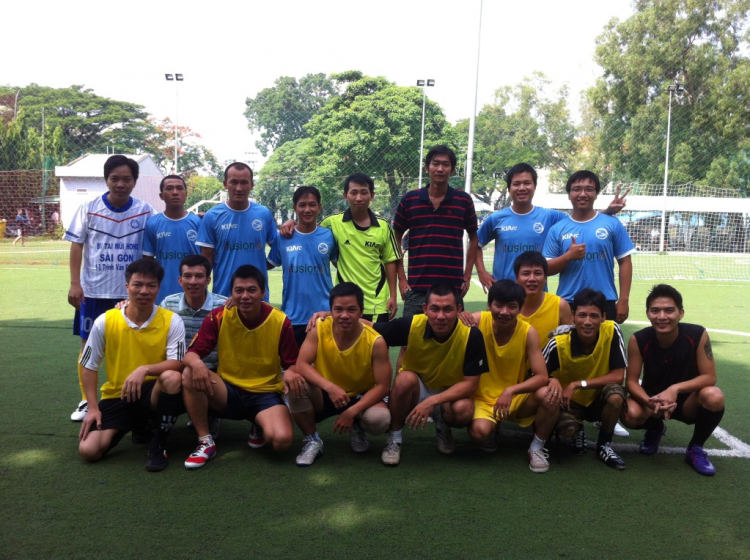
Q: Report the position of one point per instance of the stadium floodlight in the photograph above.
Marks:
(175, 78)
(422, 84)
(679, 89)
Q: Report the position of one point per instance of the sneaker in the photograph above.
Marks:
(444, 438)
(391, 454)
(538, 460)
(578, 442)
(697, 458)
(491, 445)
(201, 455)
(609, 457)
(157, 458)
(255, 438)
(312, 449)
(651, 440)
(358, 439)
(620, 431)
(80, 413)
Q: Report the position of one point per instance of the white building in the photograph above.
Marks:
(83, 179)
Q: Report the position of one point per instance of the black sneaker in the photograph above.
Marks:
(157, 458)
(578, 442)
(609, 457)
(651, 440)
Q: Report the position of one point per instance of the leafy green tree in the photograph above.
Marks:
(285, 170)
(202, 188)
(193, 156)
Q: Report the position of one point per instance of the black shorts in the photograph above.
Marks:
(329, 409)
(300, 333)
(377, 317)
(610, 308)
(677, 414)
(123, 416)
(244, 405)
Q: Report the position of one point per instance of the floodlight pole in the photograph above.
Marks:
(473, 119)
(678, 88)
(176, 78)
(423, 84)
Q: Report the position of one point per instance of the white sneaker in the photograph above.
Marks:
(391, 454)
(310, 451)
(619, 430)
(80, 413)
(358, 439)
(538, 460)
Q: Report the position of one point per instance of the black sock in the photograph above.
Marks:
(653, 424)
(705, 424)
(604, 438)
(168, 409)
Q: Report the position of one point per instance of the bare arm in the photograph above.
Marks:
(626, 279)
(403, 284)
(75, 294)
(381, 370)
(485, 277)
(566, 315)
(635, 365)
(94, 415)
(706, 373)
(208, 252)
(538, 379)
(471, 257)
(575, 252)
(391, 271)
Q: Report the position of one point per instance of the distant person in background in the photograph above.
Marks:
(22, 221)
(171, 236)
(110, 227)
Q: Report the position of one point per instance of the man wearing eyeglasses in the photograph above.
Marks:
(583, 248)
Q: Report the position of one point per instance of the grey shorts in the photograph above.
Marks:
(413, 303)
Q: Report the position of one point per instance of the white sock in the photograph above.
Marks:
(395, 435)
(536, 444)
(207, 439)
(313, 437)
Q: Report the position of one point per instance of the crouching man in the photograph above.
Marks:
(343, 370)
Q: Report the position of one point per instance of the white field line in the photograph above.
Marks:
(33, 252)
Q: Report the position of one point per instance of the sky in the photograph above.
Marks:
(229, 51)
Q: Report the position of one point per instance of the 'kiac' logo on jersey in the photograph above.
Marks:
(372, 244)
(229, 226)
(508, 228)
(292, 248)
(162, 234)
(568, 236)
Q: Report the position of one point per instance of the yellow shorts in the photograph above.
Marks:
(485, 410)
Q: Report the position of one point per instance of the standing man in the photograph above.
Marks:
(583, 248)
(111, 228)
(236, 232)
(343, 370)
(306, 259)
(171, 236)
(436, 217)
(522, 226)
(142, 346)
(588, 366)
(679, 378)
(22, 222)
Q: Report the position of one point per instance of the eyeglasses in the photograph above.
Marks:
(587, 190)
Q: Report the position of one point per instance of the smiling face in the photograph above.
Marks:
(142, 290)
(504, 313)
(522, 188)
(346, 313)
(307, 209)
(247, 297)
(664, 315)
(239, 183)
(531, 278)
(442, 314)
(587, 320)
(583, 194)
(120, 183)
(174, 193)
(194, 281)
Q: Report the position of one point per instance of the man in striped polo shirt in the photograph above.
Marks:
(436, 217)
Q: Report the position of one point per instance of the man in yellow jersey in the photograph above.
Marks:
(350, 378)
(254, 342)
(142, 347)
(506, 392)
(440, 373)
(588, 365)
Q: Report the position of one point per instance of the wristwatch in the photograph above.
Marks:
(584, 384)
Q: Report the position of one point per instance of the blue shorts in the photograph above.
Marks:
(244, 405)
(91, 308)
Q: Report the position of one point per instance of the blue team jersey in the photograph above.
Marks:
(606, 240)
(306, 260)
(514, 234)
(237, 238)
(169, 241)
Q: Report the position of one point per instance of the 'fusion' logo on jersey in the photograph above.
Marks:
(243, 246)
(597, 256)
(520, 247)
(257, 225)
(323, 248)
(305, 269)
(602, 233)
(538, 227)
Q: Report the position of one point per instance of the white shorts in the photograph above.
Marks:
(424, 392)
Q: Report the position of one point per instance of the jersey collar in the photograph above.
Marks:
(373, 218)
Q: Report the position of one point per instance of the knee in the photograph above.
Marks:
(89, 452)
(300, 404)
(187, 379)
(711, 398)
(405, 382)
(171, 382)
(480, 432)
(615, 401)
(282, 441)
(375, 420)
(462, 412)
(631, 415)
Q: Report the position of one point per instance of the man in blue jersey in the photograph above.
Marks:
(305, 259)
(171, 236)
(522, 226)
(584, 246)
(237, 231)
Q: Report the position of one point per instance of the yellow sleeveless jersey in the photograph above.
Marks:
(350, 369)
(508, 363)
(546, 318)
(249, 358)
(583, 367)
(439, 364)
(127, 348)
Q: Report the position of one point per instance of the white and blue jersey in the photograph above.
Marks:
(606, 241)
(306, 260)
(169, 241)
(514, 234)
(237, 237)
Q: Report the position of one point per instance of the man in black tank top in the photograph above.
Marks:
(679, 378)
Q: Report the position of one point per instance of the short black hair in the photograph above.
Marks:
(161, 185)
(345, 289)
(238, 165)
(504, 291)
(248, 271)
(580, 176)
(117, 161)
(196, 260)
(664, 290)
(359, 179)
(442, 289)
(145, 266)
(441, 150)
(519, 168)
(587, 296)
(302, 191)
(530, 258)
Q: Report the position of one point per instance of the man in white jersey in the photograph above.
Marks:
(236, 232)
(110, 227)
